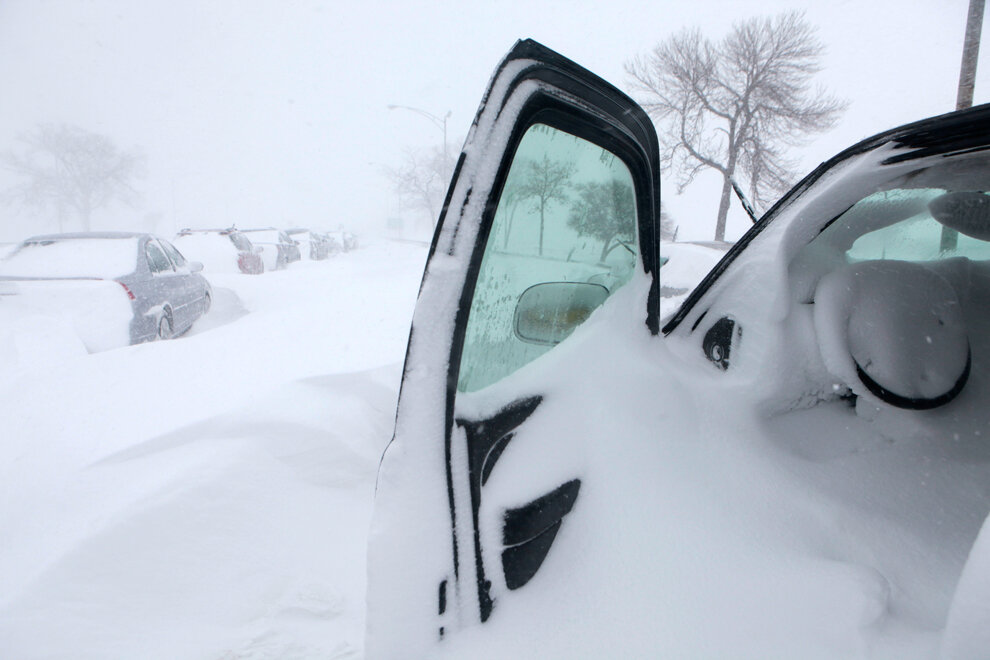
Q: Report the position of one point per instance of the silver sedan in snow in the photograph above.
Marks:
(114, 288)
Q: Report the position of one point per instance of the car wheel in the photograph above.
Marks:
(207, 302)
(165, 326)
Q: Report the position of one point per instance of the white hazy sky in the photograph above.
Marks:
(275, 112)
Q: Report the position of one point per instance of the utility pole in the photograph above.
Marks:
(967, 80)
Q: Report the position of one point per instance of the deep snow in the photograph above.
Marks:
(206, 497)
(210, 497)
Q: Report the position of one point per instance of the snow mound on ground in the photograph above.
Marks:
(967, 633)
(226, 529)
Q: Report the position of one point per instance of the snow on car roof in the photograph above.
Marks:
(105, 256)
(263, 235)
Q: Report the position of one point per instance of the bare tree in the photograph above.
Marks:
(419, 181)
(545, 182)
(736, 104)
(70, 169)
(604, 211)
(422, 179)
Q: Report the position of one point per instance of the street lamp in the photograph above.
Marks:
(439, 122)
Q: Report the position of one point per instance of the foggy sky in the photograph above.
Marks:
(275, 112)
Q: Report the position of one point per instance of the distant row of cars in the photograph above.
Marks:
(120, 288)
(253, 251)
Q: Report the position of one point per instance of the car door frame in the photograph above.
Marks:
(533, 84)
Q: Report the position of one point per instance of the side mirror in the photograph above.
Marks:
(195, 266)
(548, 313)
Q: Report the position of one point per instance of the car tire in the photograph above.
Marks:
(165, 326)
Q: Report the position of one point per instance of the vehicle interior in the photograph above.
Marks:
(871, 357)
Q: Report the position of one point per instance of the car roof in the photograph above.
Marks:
(88, 234)
(185, 231)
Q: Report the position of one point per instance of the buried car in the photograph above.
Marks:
(794, 463)
(222, 250)
(278, 248)
(312, 245)
(115, 288)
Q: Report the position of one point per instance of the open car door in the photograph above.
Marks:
(550, 225)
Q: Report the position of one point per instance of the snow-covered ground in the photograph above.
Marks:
(206, 497)
(209, 497)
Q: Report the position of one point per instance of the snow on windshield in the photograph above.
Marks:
(104, 258)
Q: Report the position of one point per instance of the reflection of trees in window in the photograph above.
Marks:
(545, 182)
(604, 211)
(510, 203)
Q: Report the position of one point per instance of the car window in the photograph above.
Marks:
(157, 261)
(173, 254)
(916, 238)
(240, 242)
(563, 238)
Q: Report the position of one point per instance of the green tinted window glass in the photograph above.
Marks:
(567, 214)
(899, 224)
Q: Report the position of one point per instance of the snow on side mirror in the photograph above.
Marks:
(548, 313)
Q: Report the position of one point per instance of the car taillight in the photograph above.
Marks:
(129, 293)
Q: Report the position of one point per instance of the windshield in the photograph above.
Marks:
(931, 214)
(240, 242)
(917, 237)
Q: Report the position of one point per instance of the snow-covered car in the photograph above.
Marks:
(312, 245)
(114, 288)
(344, 240)
(794, 464)
(279, 250)
(221, 250)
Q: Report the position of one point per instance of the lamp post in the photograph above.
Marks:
(439, 122)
